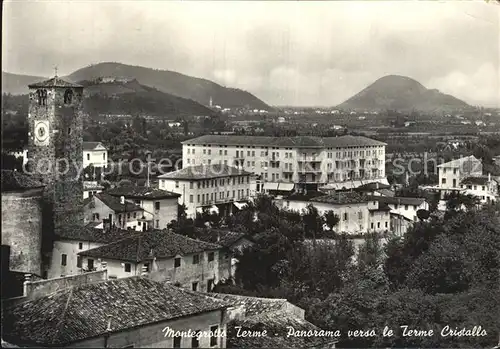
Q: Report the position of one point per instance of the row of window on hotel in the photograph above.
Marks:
(251, 153)
(211, 183)
(213, 196)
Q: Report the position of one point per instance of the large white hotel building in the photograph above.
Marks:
(345, 161)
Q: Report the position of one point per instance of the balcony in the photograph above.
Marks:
(309, 159)
(309, 170)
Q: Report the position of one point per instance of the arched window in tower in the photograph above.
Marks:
(68, 96)
(42, 97)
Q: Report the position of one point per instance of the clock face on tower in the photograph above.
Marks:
(41, 132)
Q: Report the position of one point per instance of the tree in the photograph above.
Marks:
(313, 224)
(331, 219)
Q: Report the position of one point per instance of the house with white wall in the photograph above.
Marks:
(357, 214)
(123, 214)
(405, 206)
(95, 154)
(163, 256)
(64, 258)
(160, 206)
(484, 188)
(91, 188)
(215, 186)
(453, 172)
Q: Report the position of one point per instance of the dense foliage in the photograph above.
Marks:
(443, 272)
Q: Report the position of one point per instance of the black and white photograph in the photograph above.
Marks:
(250, 174)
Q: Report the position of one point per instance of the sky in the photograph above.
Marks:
(286, 53)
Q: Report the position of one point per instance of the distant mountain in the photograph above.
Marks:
(128, 96)
(199, 90)
(17, 84)
(402, 93)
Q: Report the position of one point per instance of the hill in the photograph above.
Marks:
(123, 97)
(128, 96)
(18, 84)
(403, 94)
(199, 90)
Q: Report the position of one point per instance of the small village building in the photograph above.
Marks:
(214, 187)
(160, 206)
(122, 213)
(163, 256)
(124, 313)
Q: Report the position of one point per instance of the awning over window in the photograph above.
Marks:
(240, 205)
(286, 186)
(271, 186)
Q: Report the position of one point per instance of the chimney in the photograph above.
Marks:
(27, 281)
(218, 236)
(489, 177)
(376, 186)
(122, 200)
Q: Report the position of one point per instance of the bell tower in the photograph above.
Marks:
(55, 142)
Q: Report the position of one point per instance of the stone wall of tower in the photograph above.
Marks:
(58, 164)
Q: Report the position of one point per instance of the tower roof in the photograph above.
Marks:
(53, 82)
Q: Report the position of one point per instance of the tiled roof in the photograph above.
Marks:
(146, 193)
(372, 186)
(77, 313)
(144, 246)
(91, 234)
(475, 180)
(15, 181)
(91, 145)
(223, 237)
(459, 162)
(397, 200)
(91, 185)
(253, 305)
(54, 82)
(341, 198)
(205, 172)
(277, 325)
(113, 202)
(386, 192)
(300, 141)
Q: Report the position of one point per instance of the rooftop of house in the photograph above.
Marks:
(17, 181)
(223, 237)
(88, 146)
(386, 192)
(142, 246)
(91, 234)
(205, 172)
(373, 186)
(459, 162)
(253, 305)
(400, 200)
(114, 203)
(269, 314)
(91, 185)
(297, 142)
(341, 198)
(143, 193)
(277, 325)
(476, 180)
(81, 312)
(54, 82)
